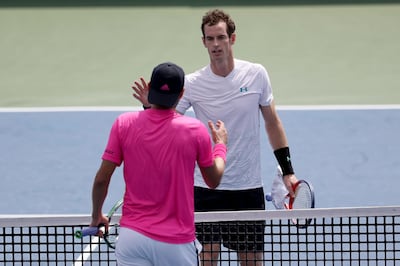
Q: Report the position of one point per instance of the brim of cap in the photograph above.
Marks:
(167, 100)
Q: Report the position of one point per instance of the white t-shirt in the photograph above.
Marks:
(235, 100)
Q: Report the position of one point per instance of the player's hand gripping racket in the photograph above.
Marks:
(109, 237)
(304, 198)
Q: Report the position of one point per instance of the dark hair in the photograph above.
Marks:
(213, 17)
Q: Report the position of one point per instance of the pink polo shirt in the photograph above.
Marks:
(159, 149)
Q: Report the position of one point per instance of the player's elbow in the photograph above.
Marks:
(213, 184)
(213, 175)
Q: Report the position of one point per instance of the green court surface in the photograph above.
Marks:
(89, 55)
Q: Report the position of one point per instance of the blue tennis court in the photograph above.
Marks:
(50, 156)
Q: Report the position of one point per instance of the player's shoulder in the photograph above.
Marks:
(244, 64)
(255, 70)
(125, 120)
(128, 115)
(202, 72)
(190, 123)
(188, 119)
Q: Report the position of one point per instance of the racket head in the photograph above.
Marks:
(304, 199)
(110, 237)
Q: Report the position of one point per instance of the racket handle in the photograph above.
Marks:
(88, 231)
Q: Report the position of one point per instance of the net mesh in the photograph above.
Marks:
(50, 245)
(347, 236)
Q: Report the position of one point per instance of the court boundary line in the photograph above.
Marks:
(138, 108)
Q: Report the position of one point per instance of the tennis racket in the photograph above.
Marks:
(304, 199)
(111, 235)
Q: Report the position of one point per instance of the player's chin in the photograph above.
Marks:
(217, 57)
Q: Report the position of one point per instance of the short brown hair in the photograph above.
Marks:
(213, 17)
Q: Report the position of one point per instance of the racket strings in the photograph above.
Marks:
(113, 229)
(303, 199)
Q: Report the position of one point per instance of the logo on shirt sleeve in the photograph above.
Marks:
(109, 152)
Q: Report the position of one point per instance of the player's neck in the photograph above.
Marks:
(222, 67)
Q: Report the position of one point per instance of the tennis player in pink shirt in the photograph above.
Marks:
(159, 149)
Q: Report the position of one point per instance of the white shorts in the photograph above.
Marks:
(135, 249)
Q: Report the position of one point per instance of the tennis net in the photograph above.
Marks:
(336, 236)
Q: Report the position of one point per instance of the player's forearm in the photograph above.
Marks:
(100, 186)
(99, 193)
(276, 135)
(274, 127)
(213, 175)
(279, 144)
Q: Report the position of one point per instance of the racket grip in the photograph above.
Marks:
(88, 231)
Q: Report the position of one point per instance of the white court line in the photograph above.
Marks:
(339, 107)
(69, 109)
(137, 108)
(86, 253)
